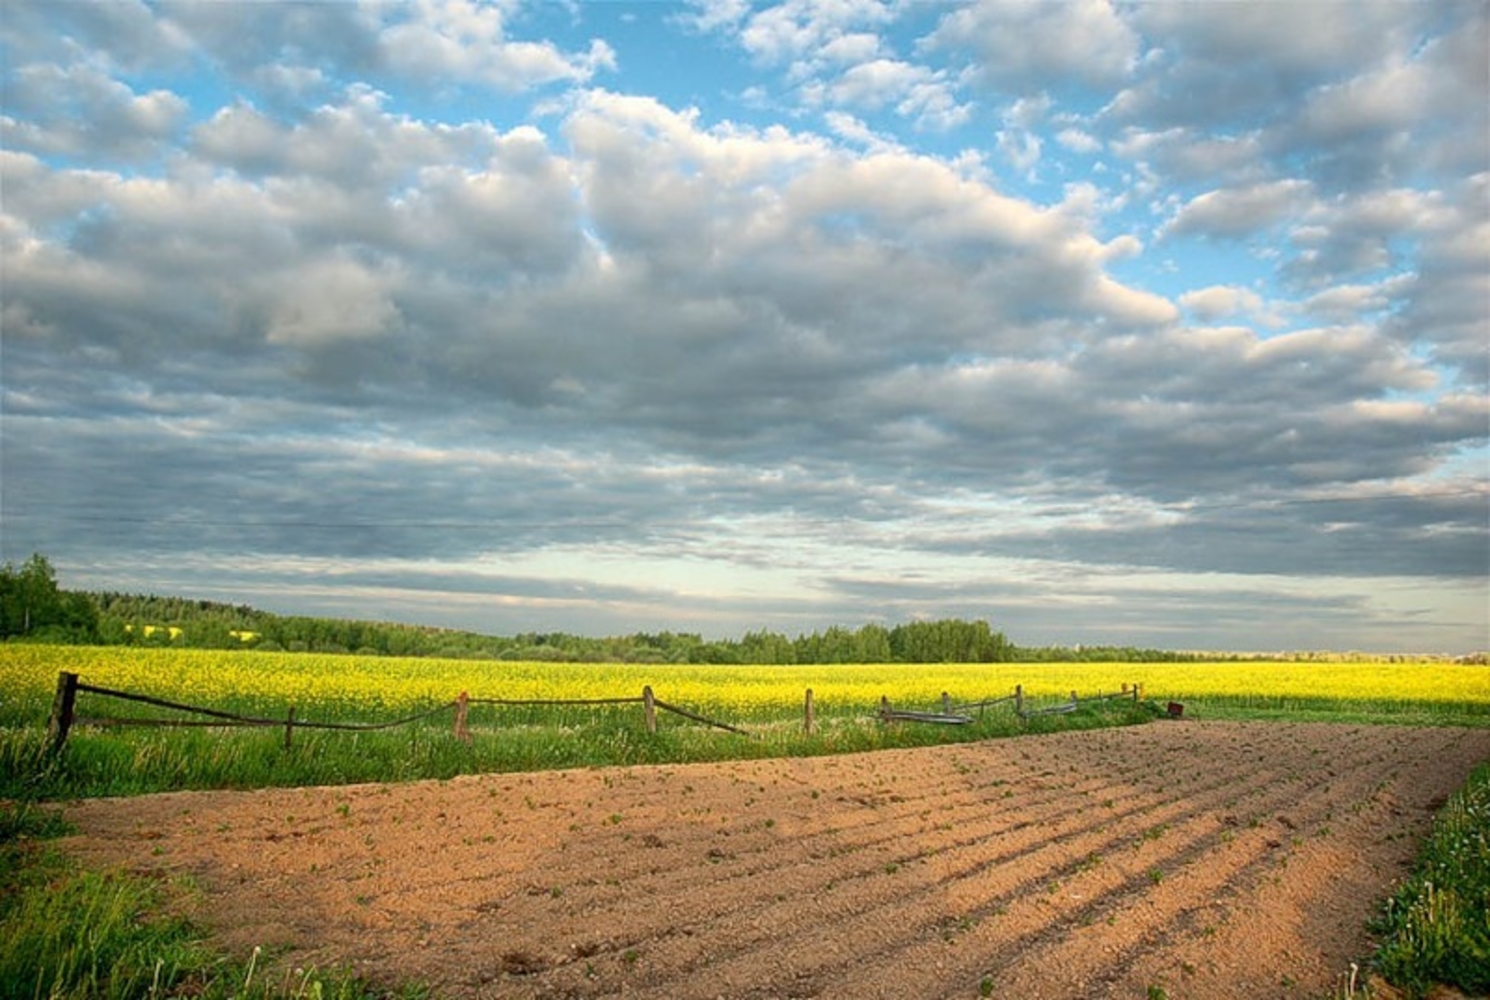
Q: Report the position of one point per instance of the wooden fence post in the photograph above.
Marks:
(62, 709)
(946, 703)
(884, 707)
(1073, 699)
(1136, 689)
(462, 707)
(1019, 699)
(809, 715)
(649, 708)
(289, 727)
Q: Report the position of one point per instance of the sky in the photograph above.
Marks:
(1159, 324)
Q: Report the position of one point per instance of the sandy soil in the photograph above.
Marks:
(1213, 860)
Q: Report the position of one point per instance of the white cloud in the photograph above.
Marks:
(1020, 149)
(852, 49)
(1078, 141)
(1343, 303)
(1235, 213)
(52, 109)
(1221, 302)
(915, 92)
(714, 15)
(1243, 63)
(797, 31)
(330, 300)
(846, 126)
(460, 41)
(1193, 155)
(875, 84)
(1025, 47)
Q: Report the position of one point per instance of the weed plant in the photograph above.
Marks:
(1437, 928)
(78, 935)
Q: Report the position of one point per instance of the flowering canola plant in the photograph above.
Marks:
(370, 687)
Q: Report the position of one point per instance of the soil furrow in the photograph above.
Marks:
(1071, 865)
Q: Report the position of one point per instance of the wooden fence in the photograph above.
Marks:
(69, 686)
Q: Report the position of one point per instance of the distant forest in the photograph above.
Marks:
(33, 608)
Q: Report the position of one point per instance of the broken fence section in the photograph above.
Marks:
(961, 714)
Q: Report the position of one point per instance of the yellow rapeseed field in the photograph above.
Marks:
(373, 687)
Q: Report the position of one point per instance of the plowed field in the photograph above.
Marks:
(1211, 860)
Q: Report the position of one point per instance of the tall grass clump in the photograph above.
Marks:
(1437, 928)
(72, 934)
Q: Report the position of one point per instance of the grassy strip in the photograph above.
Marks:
(78, 935)
(137, 761)
(1352, 711)
(1437, 928)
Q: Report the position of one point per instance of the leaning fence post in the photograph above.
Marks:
(289, 726)
(62, 708)
(462, 707)
(649, 708)
(1019, 700)
(809, 715)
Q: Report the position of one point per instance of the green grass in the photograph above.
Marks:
(133, 761)
(1437, 928)
(72, 934)
(1353, 711)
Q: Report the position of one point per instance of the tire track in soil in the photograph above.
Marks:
(899, 874)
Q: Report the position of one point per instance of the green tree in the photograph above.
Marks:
(31, 606)
(872, 644)
(766, 647)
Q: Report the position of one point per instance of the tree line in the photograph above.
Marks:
(34, 608)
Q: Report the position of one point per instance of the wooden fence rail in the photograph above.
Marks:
(959, 714)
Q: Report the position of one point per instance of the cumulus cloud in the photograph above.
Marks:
(1243, 63)
(52, 109)
(915, 92)
(1086, 329)
(458, 40)
(332, 300)
(837, 57)
(1025, 47)
(798, 31)
(1220, 302)
(1239, 212)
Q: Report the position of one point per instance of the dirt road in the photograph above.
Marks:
(1212, 860)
